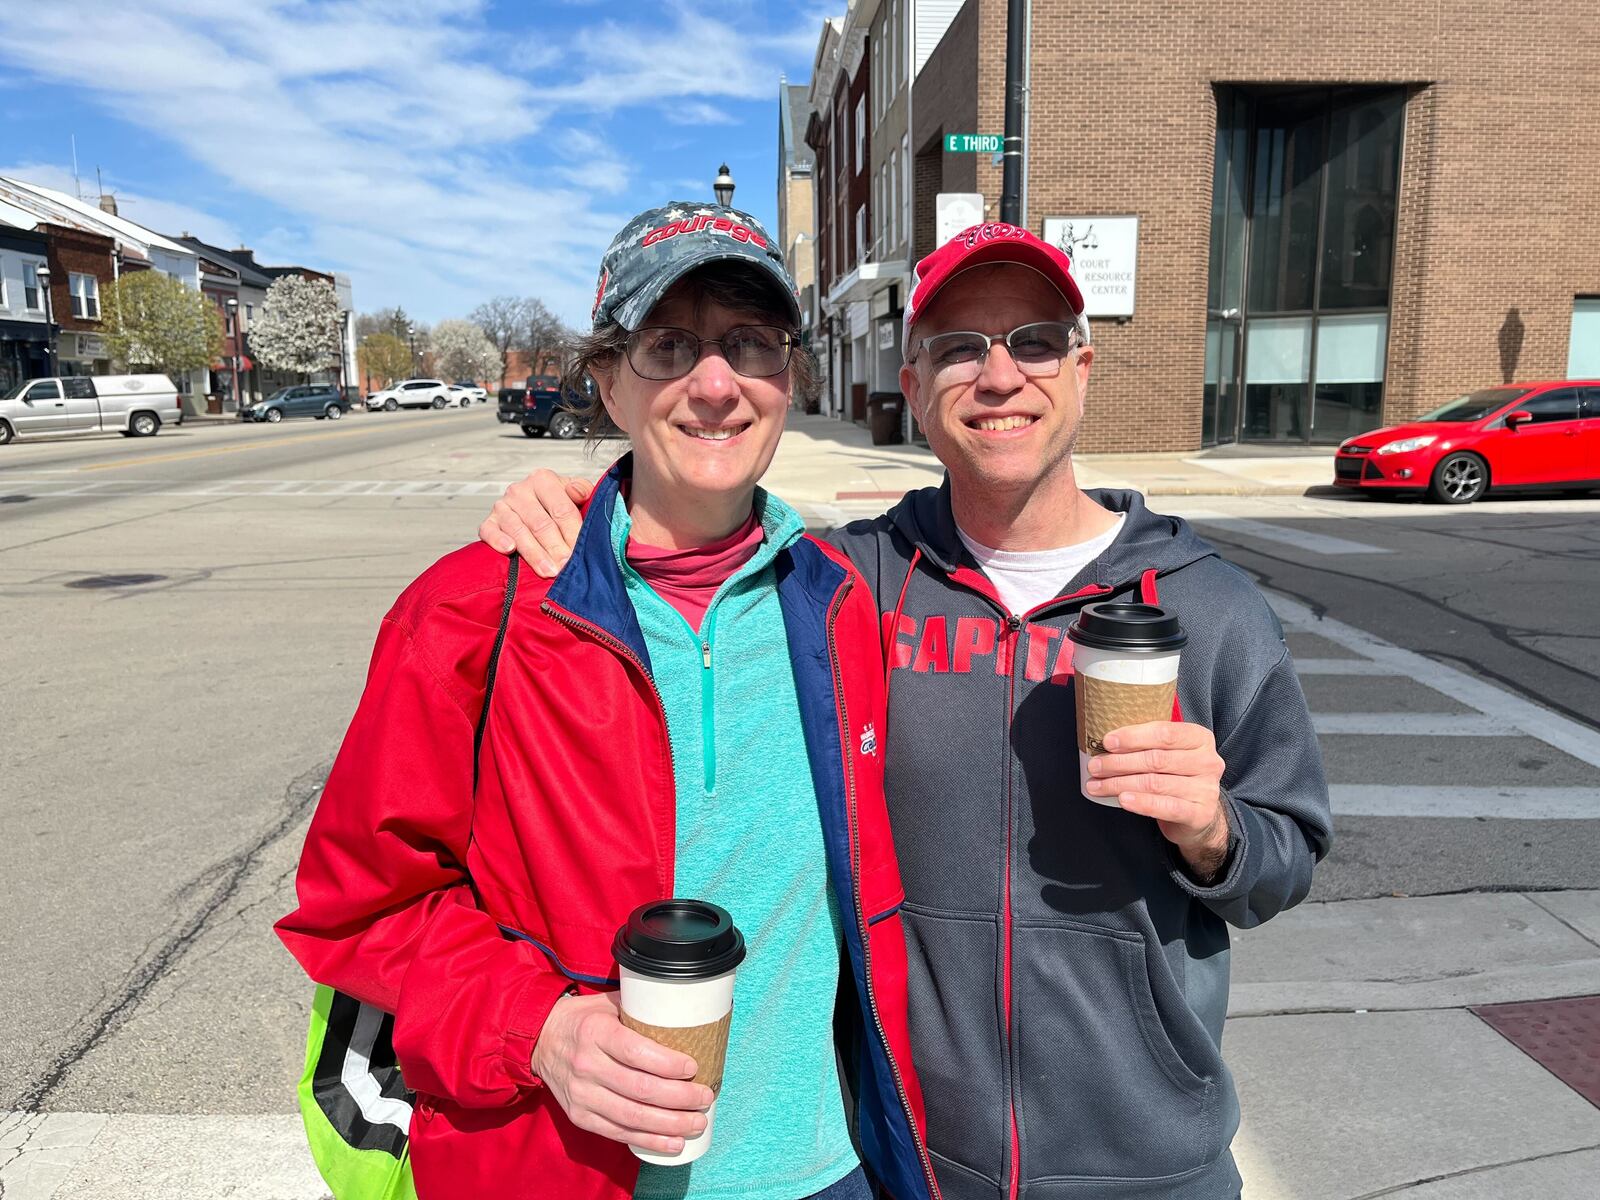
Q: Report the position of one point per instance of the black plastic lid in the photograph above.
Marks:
(1134, 628)
(679, 939)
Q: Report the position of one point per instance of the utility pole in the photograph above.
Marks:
(1016, 88)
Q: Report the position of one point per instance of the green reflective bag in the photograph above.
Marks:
(356, 1107)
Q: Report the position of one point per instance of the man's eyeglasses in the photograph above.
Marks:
(754, 351)
(1037, 349)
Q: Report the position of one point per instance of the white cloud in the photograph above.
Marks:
(389, 137)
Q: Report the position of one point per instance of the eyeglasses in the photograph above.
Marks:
(1037, 349)
(754, 351)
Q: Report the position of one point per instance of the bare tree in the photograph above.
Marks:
(543, 337)
(504, 319)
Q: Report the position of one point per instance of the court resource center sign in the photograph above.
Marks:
(1104, 252)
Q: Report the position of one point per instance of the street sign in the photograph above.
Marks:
(973, 143)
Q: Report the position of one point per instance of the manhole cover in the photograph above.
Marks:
(15, 499)
(114, 581)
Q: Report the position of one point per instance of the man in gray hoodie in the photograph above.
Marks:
(1068, 960)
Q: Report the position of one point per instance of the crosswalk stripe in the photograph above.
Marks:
(1340, 666)
(1312, 543)
(1523, 804)
(1412, 724)
(95, 1156)
(1569, 736)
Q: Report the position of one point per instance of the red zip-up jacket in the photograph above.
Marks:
(408, 876)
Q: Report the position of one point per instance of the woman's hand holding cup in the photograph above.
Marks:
(615, 1082)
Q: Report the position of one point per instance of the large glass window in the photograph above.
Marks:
(1583, 348)
(1358, 230)
(1303, 210)
(1284, 202)
(1350, 354)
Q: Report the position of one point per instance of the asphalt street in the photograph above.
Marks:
(187, 623)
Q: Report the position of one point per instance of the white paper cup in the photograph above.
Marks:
(690, 1015)
(1157, 671)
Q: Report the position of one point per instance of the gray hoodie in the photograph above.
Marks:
(1069, 978)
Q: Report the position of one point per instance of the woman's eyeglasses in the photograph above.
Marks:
(754, 351)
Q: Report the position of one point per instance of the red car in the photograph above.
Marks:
(1522, 436)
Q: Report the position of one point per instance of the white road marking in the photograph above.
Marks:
(94, 1156)
(1412, 724)
(1340, 666)
(1524, 804)
(45, 489)
(1570, 737)
(1313, 543)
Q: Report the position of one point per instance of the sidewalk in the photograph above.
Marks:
(1360, 1037)
(832, 472)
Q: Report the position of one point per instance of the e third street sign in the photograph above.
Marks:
(973, 143)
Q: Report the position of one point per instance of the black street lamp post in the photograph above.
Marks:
(723, 187)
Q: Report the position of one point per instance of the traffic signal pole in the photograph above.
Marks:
(1016, 95)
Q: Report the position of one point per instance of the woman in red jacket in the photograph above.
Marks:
(690, 707)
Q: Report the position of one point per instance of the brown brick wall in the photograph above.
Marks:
(75, 251)
(1499, 209)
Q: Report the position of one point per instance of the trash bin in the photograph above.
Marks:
(213, 404)
(883, 418)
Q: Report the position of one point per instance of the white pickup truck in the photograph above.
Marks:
(132, 405)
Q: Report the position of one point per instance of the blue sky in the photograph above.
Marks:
(439, 151)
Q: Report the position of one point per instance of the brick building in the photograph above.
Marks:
(82, 264)
(1296, 229)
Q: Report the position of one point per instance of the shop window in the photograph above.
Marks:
(1583, 346)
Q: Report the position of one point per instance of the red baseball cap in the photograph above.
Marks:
(991, 242)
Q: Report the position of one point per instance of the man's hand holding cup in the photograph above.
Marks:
(1169, 771)
(1131, 754)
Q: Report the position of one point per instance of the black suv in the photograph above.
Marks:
(539, 405)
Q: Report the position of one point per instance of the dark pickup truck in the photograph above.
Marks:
(538, 405)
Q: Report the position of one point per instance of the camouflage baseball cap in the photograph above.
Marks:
(662, 245)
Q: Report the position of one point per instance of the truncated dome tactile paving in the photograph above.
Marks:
(1562, 1036)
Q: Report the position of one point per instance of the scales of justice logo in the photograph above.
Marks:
(1069, 240)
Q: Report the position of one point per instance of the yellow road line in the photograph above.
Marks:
(159, 458)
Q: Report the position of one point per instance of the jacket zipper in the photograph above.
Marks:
(855, 871)
(1014, 634)
(619, 647)
(708, 705)
(1014, 625)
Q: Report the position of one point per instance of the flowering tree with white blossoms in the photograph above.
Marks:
(298, 329)
(461, 350)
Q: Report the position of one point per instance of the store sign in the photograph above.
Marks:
(886, 332)
(955, 211)
(1104, 253)
(91, 345)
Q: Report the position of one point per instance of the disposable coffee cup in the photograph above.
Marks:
(1125, 669)
(676, 960)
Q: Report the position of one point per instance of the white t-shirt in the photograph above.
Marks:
(1025, 579)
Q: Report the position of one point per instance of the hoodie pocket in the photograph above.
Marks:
(1106, 1092)
(955, 1037)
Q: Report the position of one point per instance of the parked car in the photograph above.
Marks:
(471, 392)
(540, 407)
(132, 405)
(323, 401)
(1523, 436)
(411, 393)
